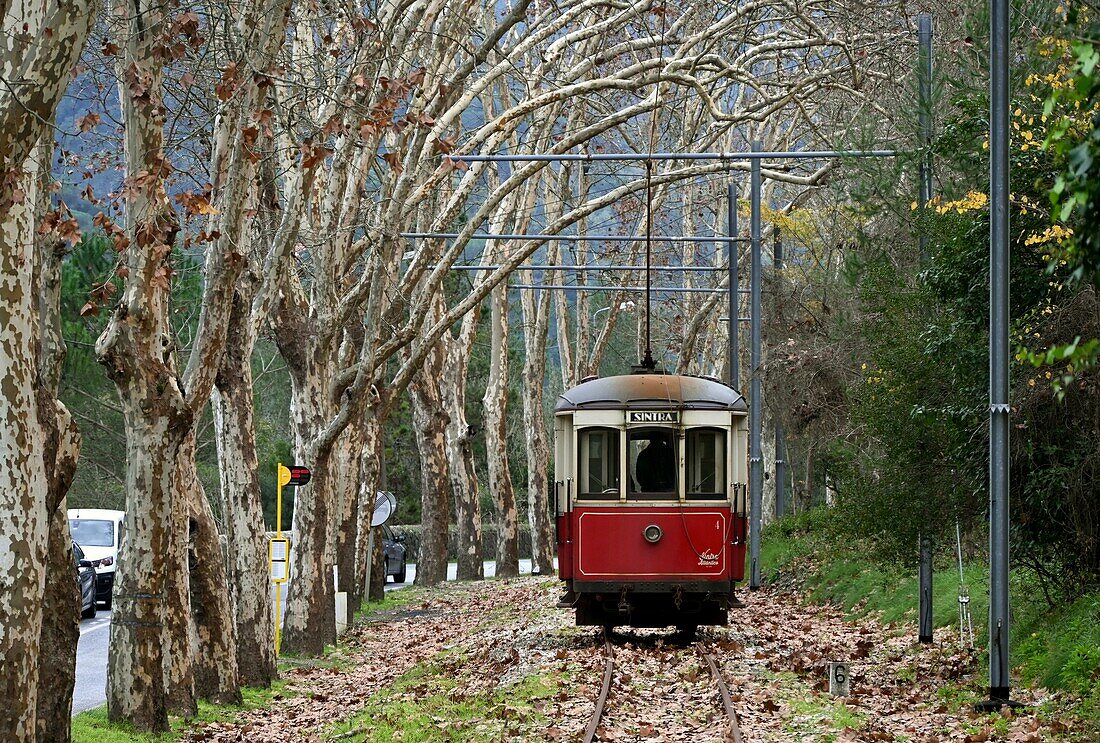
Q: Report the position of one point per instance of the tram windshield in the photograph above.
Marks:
(706, 463)
(599, 464)
(652, 463)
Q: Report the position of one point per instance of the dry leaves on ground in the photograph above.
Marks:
(488, 638)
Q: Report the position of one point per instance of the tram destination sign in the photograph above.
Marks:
(654, 416)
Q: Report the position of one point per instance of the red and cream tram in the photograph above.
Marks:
(651, 474)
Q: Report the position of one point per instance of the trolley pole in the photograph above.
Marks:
(999, 680)
(780, 434)
(756, 463)
(924, 75)
(732, 247)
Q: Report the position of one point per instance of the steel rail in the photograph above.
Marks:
(727, 701)
(605, 689)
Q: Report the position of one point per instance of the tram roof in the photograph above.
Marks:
(651, 391)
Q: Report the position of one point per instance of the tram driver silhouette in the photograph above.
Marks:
(656, 466)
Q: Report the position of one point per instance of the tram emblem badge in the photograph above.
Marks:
(708, 559)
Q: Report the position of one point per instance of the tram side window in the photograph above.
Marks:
(599, 464)
(652, 463)
(706, 464)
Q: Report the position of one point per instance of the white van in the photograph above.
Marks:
(99, 532)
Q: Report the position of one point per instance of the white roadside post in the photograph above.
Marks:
(341, 602)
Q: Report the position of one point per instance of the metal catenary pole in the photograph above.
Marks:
(756, 463)
(924, 75)
(732, 248)
(780, 434)
(999, 680)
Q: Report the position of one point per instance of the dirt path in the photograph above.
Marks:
(497, 662)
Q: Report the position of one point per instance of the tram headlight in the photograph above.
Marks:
(652, 533)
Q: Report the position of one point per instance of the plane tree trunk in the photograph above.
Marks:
(39, 46)
(24, 530)
(536, 314)
(347, 485)
(495, 402)
(60, 633)
(215, 669)
(430, 423)
(179, 666)
(137, 350)
(536, 306)
(460, 453)
(370, 482)
(61, 605)
(310, 621)
(239, 474)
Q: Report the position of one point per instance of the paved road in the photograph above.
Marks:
(91, 651)
(91, 662)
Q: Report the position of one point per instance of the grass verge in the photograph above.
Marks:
(93, 726)
(434, 701)
(1057, 648)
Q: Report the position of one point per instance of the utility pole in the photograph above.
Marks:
(732, 248)
(756, 460)
(924, 76)
(999, 680)
(780, 434)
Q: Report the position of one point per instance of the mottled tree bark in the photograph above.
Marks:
(495, 402)
(215, 670)
(179, 666)
(378, 575)
(39, 44)
(430, 423)
(60, 633)
(137, 349)
(370, 482)
(310, 621)
(346, 476)
(61, 607)
(24, 525)
(460, 454)
(239, 474)
(538, 461)
(259, 35)
(136, 689)
(464, 486)
(536, 315)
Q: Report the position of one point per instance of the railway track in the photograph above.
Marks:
(609, 672)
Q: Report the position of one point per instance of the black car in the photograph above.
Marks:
(393, 551)
(85, 578)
